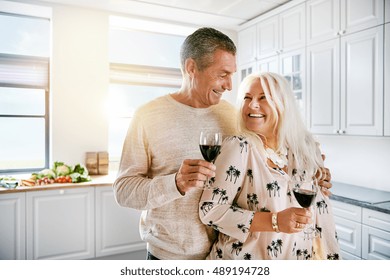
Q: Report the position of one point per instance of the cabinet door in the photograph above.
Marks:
(376, 235)
(349, 234)
(268, 37)
(348, 220)
(323, 20)
(357, 15)
(387, 11)
(376, 219)
(376, 244)
(60, 224)
(247, 69)
(293, 28)
(347, 211)
(12, 226)
(387, 77)
(117, 228)
(362, 82)
(247, 45)
(269, 64)
(292, 67)
(323, 88)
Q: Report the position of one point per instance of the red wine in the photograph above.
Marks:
(304, 197)
(210, 152)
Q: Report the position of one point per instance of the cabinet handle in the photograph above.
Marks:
(342, 32)
(340, 131)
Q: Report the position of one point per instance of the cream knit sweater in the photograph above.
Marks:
(162, 134)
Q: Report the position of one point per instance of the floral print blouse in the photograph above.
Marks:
(245, 184)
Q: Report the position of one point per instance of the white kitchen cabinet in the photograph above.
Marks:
(247, 69)
(376, 235)
(12, 226)
(349, 229)
(363, 233)
(323, 86)
(362, 83)
(247, 45)
(323, 20)
(269, 64)
(328, 19)
(355, 106)
(117, 228)
(60, 224)
(282, 33)
(387, 11)
(357, 15)
(387, 78)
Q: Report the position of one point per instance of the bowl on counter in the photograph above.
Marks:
(9, 184)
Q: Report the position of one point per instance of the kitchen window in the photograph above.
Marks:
(143, 65)
(24, 89)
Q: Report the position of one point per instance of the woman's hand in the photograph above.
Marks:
(292, 220)
(193, 173)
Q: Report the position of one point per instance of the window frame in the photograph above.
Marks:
(30, 60)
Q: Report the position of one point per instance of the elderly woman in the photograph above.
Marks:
(250, 202)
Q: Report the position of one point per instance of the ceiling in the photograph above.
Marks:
(226, 14)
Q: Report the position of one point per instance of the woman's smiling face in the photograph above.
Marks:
(256, 111)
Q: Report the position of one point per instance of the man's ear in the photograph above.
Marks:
(190, 66)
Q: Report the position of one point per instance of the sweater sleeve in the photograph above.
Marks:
(217, 207)
(133, 188)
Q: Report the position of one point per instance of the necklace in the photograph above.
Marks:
(280, 159)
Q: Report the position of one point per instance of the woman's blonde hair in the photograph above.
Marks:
(290, 130)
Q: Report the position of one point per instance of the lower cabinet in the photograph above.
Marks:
(348, 220)
(363, 233)
(68, 224)
(376, 235)
(117, 228)
(60, 224)
(12, 226)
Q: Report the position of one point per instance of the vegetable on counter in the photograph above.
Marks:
(59, 173)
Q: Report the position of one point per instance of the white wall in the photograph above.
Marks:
(361, 161)
(79, 83)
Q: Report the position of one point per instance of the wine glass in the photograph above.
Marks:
(305, 191)
(210, 144)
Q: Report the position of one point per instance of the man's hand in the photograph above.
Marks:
(193, 173)
(323, 175)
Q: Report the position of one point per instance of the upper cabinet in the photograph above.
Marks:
(323, 20)
(362, 82)
(247, 45)
(340, 70)
(328, 19)
(281, 33)
(349, 100)
(360, 14)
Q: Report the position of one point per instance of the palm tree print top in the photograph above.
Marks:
(245, 184)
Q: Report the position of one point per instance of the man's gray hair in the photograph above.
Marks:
(201, 45)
